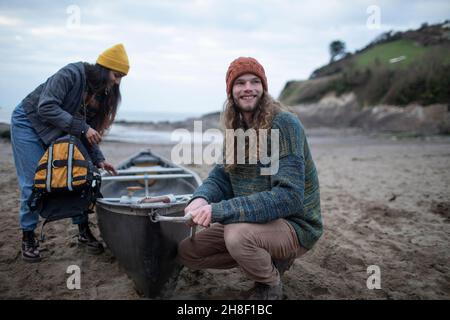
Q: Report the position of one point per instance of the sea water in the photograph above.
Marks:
(125, 115)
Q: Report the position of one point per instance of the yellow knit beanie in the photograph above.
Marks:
(115, 58)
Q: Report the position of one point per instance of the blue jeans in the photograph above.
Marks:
(28, 149)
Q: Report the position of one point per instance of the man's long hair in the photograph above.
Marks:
(232, 118)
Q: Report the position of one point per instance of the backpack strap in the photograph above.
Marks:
(70, 165)
(61, 163)
(35, 198)
(48, 183)
(42, 237)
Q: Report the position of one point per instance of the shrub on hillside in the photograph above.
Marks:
(426, 82)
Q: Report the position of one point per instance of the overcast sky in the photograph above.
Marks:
(179, 51)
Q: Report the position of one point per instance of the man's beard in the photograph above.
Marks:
(247, 108)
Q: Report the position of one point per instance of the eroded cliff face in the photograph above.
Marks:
(345, 111)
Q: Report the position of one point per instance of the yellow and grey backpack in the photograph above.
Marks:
(66, 182)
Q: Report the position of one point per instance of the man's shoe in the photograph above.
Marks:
(87, 239)
(262, 291)
(30, 251)
(283, 265)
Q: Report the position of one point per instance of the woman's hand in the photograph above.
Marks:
(108, 167)
(93, 136)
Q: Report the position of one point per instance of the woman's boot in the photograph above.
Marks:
(30, 251)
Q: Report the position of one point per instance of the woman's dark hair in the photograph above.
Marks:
(97, 79)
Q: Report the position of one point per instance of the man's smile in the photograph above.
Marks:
(248, 97)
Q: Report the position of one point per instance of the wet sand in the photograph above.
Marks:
(385, 202)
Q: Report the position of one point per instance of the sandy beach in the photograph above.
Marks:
(385, 202)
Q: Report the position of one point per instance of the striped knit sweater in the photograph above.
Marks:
(244, 195)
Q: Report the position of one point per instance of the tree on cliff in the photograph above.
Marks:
(337, 48)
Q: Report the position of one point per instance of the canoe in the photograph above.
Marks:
(144, 236)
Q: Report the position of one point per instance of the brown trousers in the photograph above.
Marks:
(250, 246)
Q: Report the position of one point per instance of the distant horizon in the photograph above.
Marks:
(128, 115)
(154, 115)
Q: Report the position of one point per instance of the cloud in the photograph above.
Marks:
(9, 21)
(182, 48)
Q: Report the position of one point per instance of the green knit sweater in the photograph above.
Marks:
(244, 195)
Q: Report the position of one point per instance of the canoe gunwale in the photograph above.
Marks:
(143, 209)
(146, 177)
(125, 165)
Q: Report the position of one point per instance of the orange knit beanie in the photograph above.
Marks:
(243, 65)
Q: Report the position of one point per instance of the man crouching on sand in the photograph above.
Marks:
(262, 223)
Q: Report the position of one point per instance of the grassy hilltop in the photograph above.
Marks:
(396, 69)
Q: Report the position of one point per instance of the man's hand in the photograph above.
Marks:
(202, 216)
(93, 136)
(108, 167)
(195, 204)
